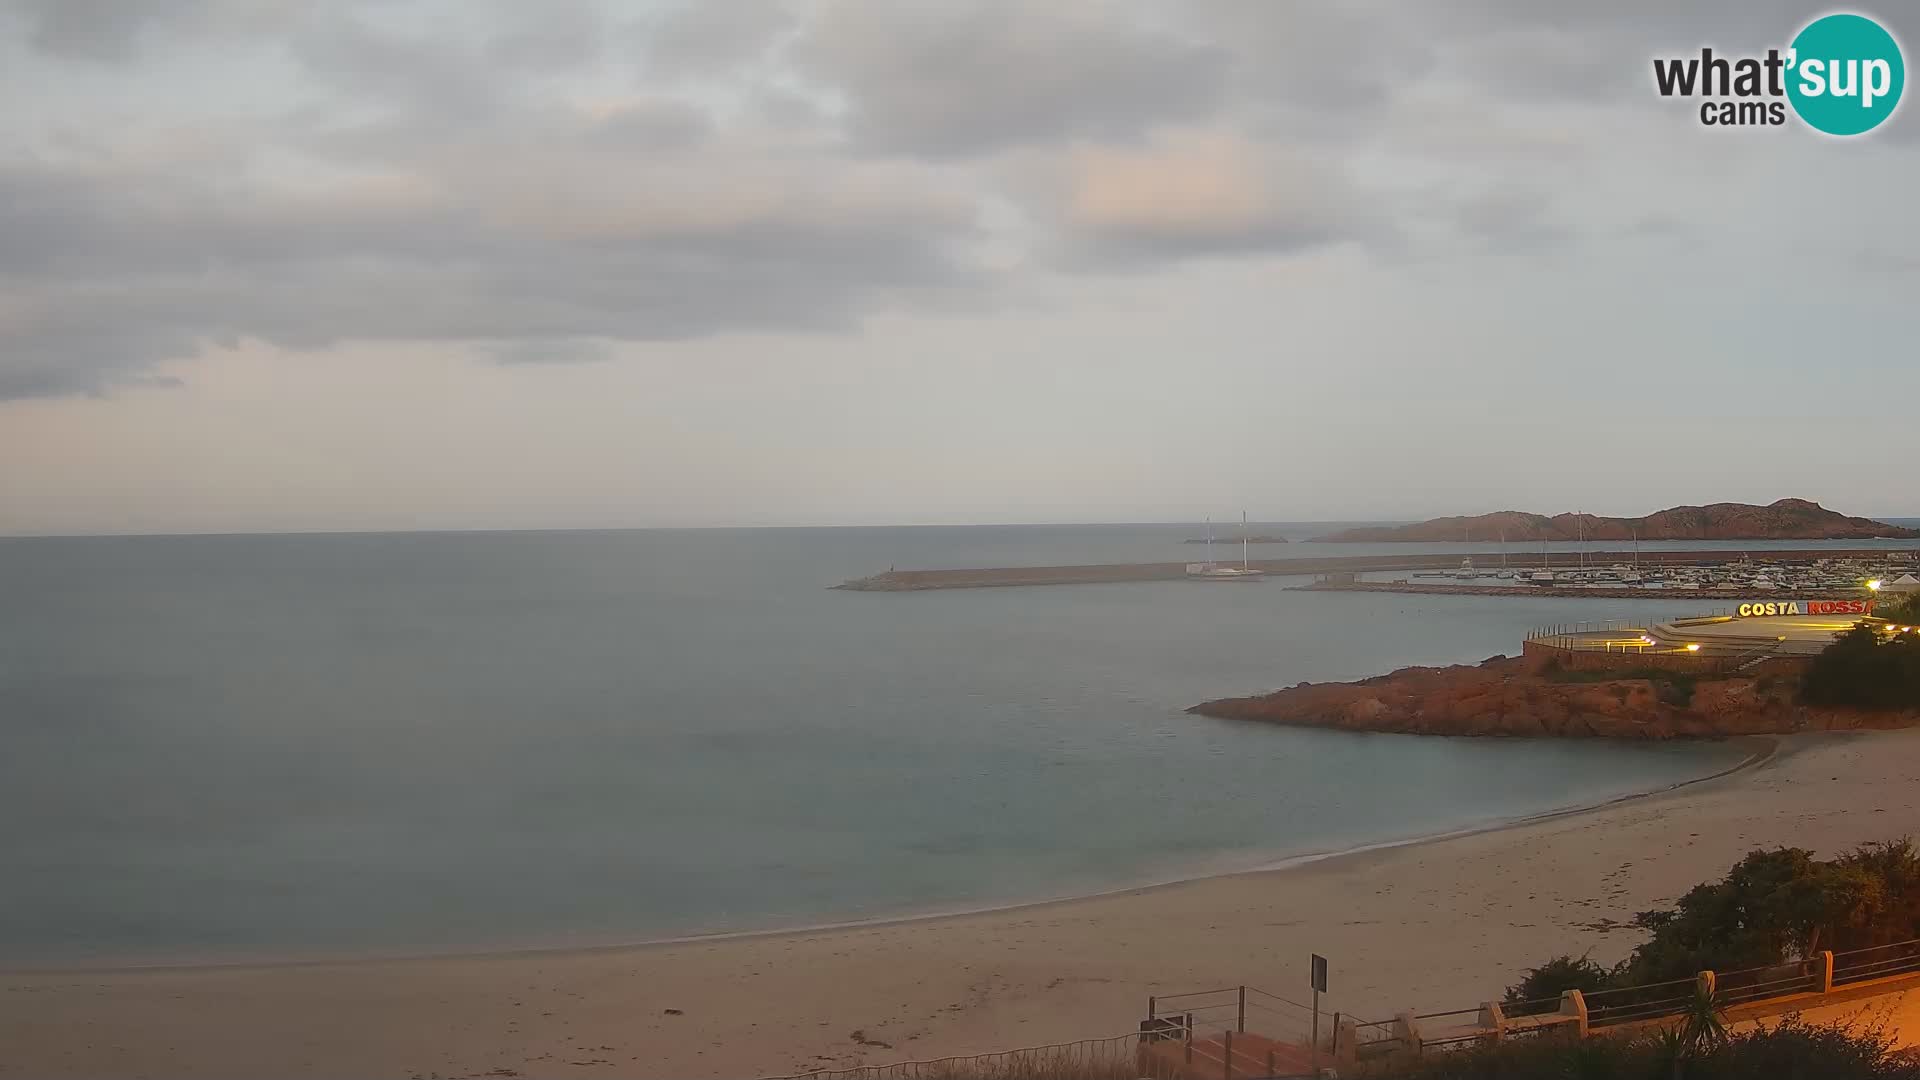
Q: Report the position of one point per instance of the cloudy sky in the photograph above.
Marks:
(268, 264)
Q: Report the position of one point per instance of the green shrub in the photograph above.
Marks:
(1790, 1050)
(1865, 669)
(1901, 609)
(1546, 983)
(1671, 687)
(1774, 907)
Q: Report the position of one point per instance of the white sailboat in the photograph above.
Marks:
(1213, 571)
(1542, 576)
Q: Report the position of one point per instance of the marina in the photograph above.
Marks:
(1825, 576)
(1592, 574)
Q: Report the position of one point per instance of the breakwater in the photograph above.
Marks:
(1099, 573)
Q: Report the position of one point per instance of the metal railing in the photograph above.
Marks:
(1876, 962)
(1375, 1038)
(1205, 1024)
(1633, 1004)
(1239, 1008)
(1242, 1031)
(1573, 628)
(1116, 1057)
(1455, 1028)
(1795, 984)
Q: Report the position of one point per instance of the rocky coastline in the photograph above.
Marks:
(1528, 697)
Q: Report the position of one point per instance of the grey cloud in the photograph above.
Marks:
(94, 30)
(560, 38)
(961, 78)
(1529, 50)
(1133, 248)
(422, 72)
(704, 38)
(654, 125)
(1329, 59)
(100, 282)
(761, 176)
(550, 351)
(1513, 221)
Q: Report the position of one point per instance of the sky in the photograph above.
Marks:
(444, 264)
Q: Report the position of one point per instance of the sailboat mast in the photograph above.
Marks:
(1243, 540)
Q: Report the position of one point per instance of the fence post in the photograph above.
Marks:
(1226, 1056)
(1407, 1029)
(1493, 1020)
(1704, 983)
(1187, 1037)
(1574, 1003)
(1826, 972)
(1346, 1039)
(1240, 1024)
(1270, 1068)
(1150, 1004)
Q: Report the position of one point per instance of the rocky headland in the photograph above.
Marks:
(1787, 519)
(1511, 696)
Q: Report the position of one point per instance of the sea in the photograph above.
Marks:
(243, 748)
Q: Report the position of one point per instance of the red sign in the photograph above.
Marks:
(1806, 607)
(1839, 607)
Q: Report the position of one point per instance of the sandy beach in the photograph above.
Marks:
(1439, 924)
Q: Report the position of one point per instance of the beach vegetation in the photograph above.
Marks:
(1903, 609)
(1865, 668)
(1789, 1050)
(1539, 990)
(1671, 687)
(1773, 908)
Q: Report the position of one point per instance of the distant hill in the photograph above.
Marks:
(1788, 519)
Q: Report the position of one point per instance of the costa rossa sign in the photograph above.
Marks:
(1807, 607)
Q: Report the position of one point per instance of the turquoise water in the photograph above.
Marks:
(224, 747)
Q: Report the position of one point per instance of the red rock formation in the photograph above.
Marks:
(1787, 519)
(1513, 697)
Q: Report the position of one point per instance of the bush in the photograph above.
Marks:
(1547, 982)
(1901, 609)
(1865, 669)
(1791, 1050)
(1774, 907)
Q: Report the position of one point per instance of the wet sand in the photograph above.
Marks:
(1439, 924)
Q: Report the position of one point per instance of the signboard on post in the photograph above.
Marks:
(1319, 980)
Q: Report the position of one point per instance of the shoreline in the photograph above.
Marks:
(1434, 923)
(1761, 750)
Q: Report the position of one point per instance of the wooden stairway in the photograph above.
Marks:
(1209, 1058)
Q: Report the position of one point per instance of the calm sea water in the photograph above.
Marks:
(224, 747)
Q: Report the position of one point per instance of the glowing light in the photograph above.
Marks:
(1693, 646)
(1874, 584)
